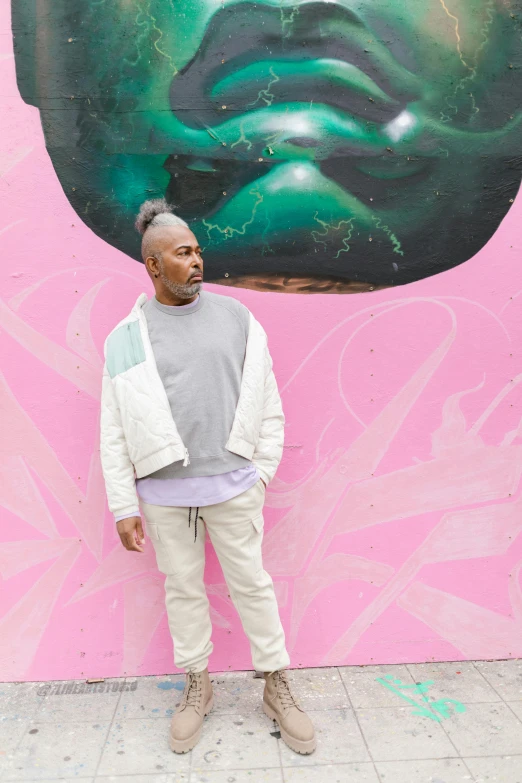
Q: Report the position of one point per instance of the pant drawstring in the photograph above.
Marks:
(195, 522)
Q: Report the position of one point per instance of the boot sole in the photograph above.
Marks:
(184, 746)
(304, 747)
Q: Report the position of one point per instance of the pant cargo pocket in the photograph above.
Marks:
(162, 558)
(257, 541)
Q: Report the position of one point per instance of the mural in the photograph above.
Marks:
(393, 530)
(313, 146)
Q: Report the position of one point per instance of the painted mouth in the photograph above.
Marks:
(257, 57)
(272, 86)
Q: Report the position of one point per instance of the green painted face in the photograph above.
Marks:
(311, 146)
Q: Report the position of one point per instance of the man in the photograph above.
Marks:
(191, 433)
(316, 146)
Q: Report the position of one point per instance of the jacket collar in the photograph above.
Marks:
(141, 300)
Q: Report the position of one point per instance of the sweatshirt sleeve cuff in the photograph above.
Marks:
(133, 513)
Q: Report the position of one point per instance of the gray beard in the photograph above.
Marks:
(182, 291)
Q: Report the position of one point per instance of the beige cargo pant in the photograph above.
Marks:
(235, 528)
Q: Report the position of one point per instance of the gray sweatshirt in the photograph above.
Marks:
(200, 352)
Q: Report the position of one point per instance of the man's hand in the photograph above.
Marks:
(130, 531)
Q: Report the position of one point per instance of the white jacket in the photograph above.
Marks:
(138, 432)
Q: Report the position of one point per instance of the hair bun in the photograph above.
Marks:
(150, 210)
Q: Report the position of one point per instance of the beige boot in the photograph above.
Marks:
(198, 700)
(280, 705)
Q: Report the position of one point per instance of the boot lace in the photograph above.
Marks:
(284, 693)
(193, 691)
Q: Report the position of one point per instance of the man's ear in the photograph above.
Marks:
(153, 266)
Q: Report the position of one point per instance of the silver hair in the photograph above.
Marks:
(155, 213)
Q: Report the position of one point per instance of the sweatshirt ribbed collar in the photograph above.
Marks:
(177, 310)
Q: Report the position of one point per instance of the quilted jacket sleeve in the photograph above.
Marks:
(269, 448)
(118, 470)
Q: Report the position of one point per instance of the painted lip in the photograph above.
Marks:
(265, 89)
(256, 57)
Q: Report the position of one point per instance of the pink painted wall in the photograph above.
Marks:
(393, 526)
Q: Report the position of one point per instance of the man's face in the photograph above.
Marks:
(311, 145)
(175, 262)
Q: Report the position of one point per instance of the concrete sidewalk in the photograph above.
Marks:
(438, 723)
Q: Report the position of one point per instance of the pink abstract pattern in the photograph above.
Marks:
(393, 527)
